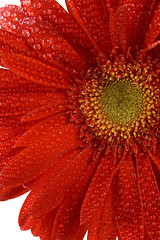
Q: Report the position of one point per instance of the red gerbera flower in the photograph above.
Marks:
(80, 117)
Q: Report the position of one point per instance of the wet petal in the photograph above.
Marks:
(127, 202)
(25, 3)
(11, 18)
(46, 177)
(67, 222)
(13, 193)
(90, 16)
(20, 97)
(150, 196)
(98, 188)
(15, 44)
(36, 158)
(48, 43)
(47, 225)
(124, 33)
(45, 111)
(36, 71)
(65, 25)
(103, 224)
(51, 46)
(51, 195)
(155, 156)
(10, 130)
(35, 230)
(41, 130)
(153, 29)
(79, 235)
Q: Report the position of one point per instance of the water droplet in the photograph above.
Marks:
(153, 217)
(14, 27)
(26, 33)
(39, 18)
(6, 13)
(35, 30)
(47, 42)
(37, 5)
(30, 40)
(37, 46)
(14, 14)
(26, 2)
(29, 21)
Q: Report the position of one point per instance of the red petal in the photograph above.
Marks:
(103, 225)
(36, 158)
(45, 111)
(146, 237)
(44, 128)
(14, 44)
(56, 167)
(63, 23)
(113, 4)
(25, 3)
(7, 151)
(42, 182)
(155, 156)
(35, 230)
(153, 29)
(13, 193)
(51, 46)
(19, 97)
(11, 18)
(42, 38)
(36, 71)
(58, 104)
(67, 223)
(90, 16)
(11, 129)
(47, 225)
(98, 188)
(79, 235)
(124, 33)
(49, 196)
(150, 196)
(148, 4)
(127, 202)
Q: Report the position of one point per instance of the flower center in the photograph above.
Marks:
(122, 102)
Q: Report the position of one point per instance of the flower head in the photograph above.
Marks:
(80, 117)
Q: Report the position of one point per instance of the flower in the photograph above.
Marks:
(80, 117)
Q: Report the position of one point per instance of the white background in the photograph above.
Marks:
(9, 210)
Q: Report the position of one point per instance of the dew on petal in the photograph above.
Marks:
(6, 13)
(37, 46)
